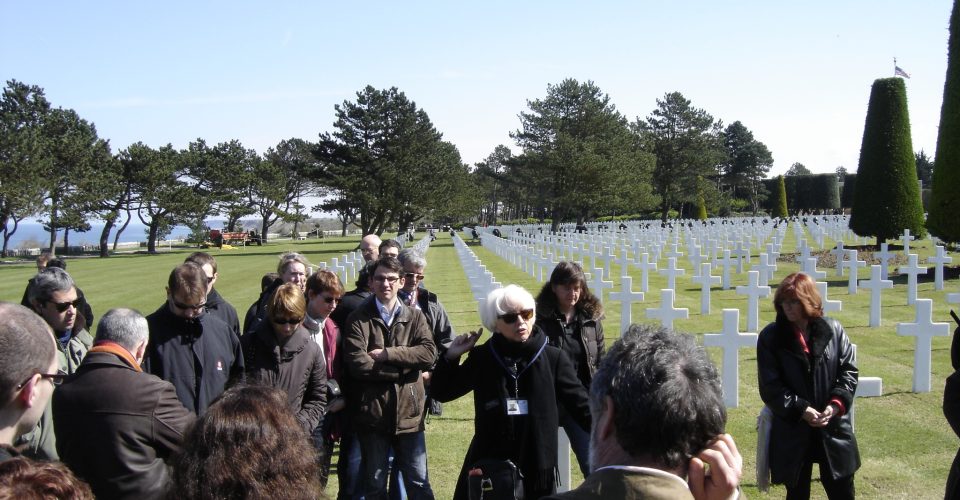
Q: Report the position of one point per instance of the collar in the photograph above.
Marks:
(387, 316)
(648, 471)
(118, 350)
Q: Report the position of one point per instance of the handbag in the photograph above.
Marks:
(494, 480)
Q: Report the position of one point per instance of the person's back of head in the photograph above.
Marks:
(201, 259)
(125, 327)
(268, 280)
(666, 396)
(57, 262)
(247, 445)
(24, 479)
(27, 350)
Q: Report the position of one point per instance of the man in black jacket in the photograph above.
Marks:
(194, 351)
(118, 426)
(216, 305)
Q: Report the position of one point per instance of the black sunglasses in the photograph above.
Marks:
(511, 318)
(413, 276)
(288, 321)
(186, 306)
(63, 306)
(55, 378)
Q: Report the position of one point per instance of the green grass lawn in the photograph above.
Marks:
(905, 443)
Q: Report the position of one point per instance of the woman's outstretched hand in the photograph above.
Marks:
(462, 343)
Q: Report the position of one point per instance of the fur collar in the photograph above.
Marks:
(820, 336)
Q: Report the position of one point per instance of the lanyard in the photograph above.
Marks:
(516, 378)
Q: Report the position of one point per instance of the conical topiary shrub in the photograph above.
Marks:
(944, 217)
(780, 198)
(887, 198)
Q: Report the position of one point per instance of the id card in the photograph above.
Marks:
(516, 406)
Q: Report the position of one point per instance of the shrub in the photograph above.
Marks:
(944, 201)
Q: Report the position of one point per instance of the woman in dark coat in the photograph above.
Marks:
(279, 353)
(518, 382)
(951, 410)
(807, 378)
(569, 314)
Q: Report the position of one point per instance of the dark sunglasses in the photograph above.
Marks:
(288, 321)
(55, 378)
(413, 276)
(331, 300)
(63, 306)
(186, 306)
(511, 318)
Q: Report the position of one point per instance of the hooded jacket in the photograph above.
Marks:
(296, 367)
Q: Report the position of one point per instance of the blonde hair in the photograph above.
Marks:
(287, 302)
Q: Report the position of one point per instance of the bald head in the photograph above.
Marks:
(370, 247)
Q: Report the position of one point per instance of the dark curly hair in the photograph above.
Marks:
(568, 273)
(247, 445)
(24, 479)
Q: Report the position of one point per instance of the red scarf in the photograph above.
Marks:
(119, 350)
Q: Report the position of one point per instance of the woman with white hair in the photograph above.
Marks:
(511, 376)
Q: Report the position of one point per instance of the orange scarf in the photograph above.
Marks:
(119, 350)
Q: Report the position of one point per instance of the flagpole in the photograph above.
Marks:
(894, 66)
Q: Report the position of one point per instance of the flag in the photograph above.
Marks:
(899, 72)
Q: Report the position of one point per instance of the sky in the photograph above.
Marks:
(797, 74)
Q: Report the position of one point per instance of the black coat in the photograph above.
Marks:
(219, 307)
(117, 427)
(529, 441)
(951, 410)
(589, 332)
(258, 310)
(790, 381)
(297, 367)
(199, 357)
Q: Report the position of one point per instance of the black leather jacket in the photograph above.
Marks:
(790, 381)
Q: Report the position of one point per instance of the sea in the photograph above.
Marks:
(32, 234)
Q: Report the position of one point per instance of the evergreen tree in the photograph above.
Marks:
(780, 198)
(701, 208)
(944, 203)
(887, 199)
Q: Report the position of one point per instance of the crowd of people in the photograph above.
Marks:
(186, 403)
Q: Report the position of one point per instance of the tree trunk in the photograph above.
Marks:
(8, 234)
(105, 236)
(152, 238)
(66, 241)
(264, 227)
(54, 202)
(116, 237)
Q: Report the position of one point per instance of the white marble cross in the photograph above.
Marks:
(939, 259)
(666, 313)
(912, 270)
(754, 293)
(706, 280)
(828, 305)
(907, 238)
(730, 340)
(884, 255)
(924, 329)
(626, 296)
(597, 284)
(742, 252)
(645, 265)
(809, 267)
(838, 255)
(726, 263)
(765, 268)
(671, 272)
(804, 251)
(875, 284)
(607, 256)
(852, 264)
(624, 263)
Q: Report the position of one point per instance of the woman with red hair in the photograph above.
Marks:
(807, 378)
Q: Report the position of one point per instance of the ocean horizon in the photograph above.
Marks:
(32, 235)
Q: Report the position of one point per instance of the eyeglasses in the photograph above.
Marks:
(55, 378)
(186, 306)
(63, 306)
(331, 300)
(287, 321)
(511, 317)
(386, 279)
(413, 276)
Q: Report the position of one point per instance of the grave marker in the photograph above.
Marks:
(730, 340)
(924, 329)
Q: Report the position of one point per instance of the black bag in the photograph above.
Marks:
(494, 480)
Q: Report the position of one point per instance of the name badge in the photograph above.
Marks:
(516, 406)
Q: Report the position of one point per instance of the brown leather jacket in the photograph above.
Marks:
(387, 396)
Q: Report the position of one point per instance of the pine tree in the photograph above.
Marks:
(887, 198)
(945, 203)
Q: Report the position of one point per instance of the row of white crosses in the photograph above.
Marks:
(758, 279)
(348, 265)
